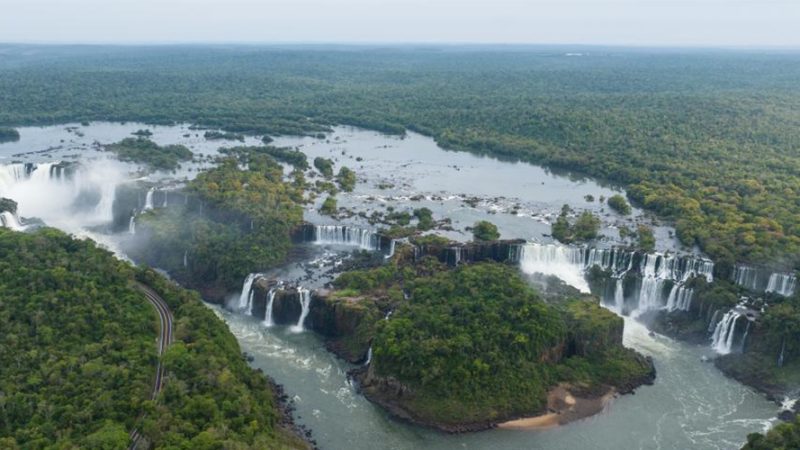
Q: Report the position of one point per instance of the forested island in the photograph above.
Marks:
(8, 134)
(469, 348)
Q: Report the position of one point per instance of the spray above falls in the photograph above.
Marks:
(67, 195)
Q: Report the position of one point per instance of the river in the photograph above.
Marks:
(691, 405)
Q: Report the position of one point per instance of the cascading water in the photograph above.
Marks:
(369, 356)
(762, 280)
(72, 201)
(391, 248)
(680, 298)
(268, 321)
(305, 302)
(10, 221)
(246, 298)
(344, 235)
(148, 199)
(186, 258)
(564, 262)
(619, 296)
(132, 225)
(724, 332)
(782, 284)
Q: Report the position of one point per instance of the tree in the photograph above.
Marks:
(586, 227)
(329, 207)
(485, 231)
(647, 240)
(619, 204)
(325, 166)
(346, 179)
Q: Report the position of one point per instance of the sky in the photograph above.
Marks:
(702, 23)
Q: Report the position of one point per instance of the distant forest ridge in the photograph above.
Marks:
(706, 139)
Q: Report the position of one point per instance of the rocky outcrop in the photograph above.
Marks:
(470, 252)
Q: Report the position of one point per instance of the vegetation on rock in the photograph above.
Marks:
(619, 204)
(485, 231)
(143, 150)
(8, 134)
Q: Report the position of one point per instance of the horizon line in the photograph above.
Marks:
(189, 43)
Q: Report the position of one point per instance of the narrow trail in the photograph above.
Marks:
(164, 340)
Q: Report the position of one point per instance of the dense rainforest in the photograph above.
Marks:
(707, 139)
(78, 358)
(477, 345)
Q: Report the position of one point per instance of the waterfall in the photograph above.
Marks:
(148, 199)
(68, 199)
(344, 235)
(270, 301)
(369, 356)
(246, 298)
(782, 284)
(10, 174)
(10, 221)
(391, 249)
(762, 280)
(713, 322)
(619, 296)
(305, 302)
(746, 276)
(166, 198)
(744, 338)
(186, 258)
(456, 255)
(680, 298)
(564, 262)
(783, 350)
(132, 225)
(722, 339)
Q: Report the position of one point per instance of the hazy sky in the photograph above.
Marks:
(630, 22)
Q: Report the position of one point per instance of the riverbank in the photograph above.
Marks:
(563, 407)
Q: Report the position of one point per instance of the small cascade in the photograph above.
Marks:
(305, 303)
(763, 280)
(744, 338)
(680, 298)
(268, 322)
(10, 221)
(724, 332)
(713, 323)
(746, 276)
(369, 356)
(782, 284)
(250, 302)
(619, 296)
(166, 199)
(564, 262)
(132, 225)
(186, 258)
(391, 249)
(652, 284)
(456, 255)
(783, 352)
(246, 297)
(148, 199)
(344, 235)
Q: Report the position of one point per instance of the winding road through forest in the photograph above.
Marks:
(164, 340)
